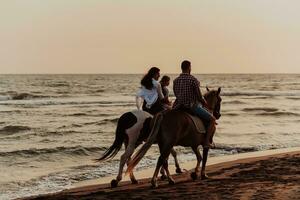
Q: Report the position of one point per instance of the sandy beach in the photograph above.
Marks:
(273, 174)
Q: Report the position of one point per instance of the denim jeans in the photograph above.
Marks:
(203, 114)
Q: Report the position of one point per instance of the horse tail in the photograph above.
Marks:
(112, 151)
(151, 139)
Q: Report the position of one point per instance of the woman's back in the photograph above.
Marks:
(150, 95)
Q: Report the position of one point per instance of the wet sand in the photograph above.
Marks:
(275, 176)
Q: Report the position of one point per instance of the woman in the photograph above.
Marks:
(150, 95)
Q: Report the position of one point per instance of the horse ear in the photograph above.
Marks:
(207, 89)
(219, 90)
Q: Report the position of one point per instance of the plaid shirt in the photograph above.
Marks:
(186, 90)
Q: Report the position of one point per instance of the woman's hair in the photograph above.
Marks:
(147, 79)
(164, 79)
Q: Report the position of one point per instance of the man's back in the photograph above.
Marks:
(186, 90)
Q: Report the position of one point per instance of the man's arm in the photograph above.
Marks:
(199, 94)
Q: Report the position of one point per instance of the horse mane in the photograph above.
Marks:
(209, 93)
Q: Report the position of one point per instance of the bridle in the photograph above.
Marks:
(212, 108)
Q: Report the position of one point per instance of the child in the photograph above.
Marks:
(164, 82)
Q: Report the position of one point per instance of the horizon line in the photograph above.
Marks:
(259, 73)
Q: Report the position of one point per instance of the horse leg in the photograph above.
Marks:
(163, 174)
(178, 169)
(170, 179)
(195, 174)
(132, 177)
(209, 134)
(124, 159)
(205, 154)
(161, 160)
(154, 177)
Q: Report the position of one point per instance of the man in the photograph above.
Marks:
(188, 95)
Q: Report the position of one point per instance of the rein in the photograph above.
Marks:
(210, 109)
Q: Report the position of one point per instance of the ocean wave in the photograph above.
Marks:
(73, 151)
(57, 181)
(114, 120)
(237, 102)
(90, 114)
(263, 94)
(58, 84)
(118, 105)
(260, 109)
(12, 95)
(78, 114)
(42, 133)
(90, 123)
(270, 112)
(235, 149)
(77, 125)
(279, 113)
(293, 98)
(56, 133)
(56, 102)
(224, 149)
(11, 111)
(230, 114)
(105, 121)
(257, 97)
(250, 94)
(5, 97)
(95, 92)
(13, 129)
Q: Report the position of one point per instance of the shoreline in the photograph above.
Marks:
(102, 185)
(189, 165)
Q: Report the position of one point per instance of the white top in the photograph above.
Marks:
(150, 96)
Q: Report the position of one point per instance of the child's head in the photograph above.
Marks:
(165, 81)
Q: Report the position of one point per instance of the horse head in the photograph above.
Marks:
(214, 100)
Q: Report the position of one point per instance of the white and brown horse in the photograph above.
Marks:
(132, 129)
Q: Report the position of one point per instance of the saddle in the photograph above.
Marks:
(198, 124)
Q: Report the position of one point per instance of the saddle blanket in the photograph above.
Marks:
(198, 124)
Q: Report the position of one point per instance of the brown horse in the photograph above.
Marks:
(176, 128)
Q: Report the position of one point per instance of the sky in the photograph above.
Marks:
(130, 36)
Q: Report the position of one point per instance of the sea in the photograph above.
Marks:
(53, 126)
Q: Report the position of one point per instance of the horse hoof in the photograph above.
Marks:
(179, 171)
(114, 183)
(194, 176)
(171, 182)
(204, 176)
(163, 177)
(134, 182)
(154, 184)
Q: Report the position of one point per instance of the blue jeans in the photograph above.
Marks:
(203, 114)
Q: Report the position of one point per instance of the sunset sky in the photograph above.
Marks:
(129, 36)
